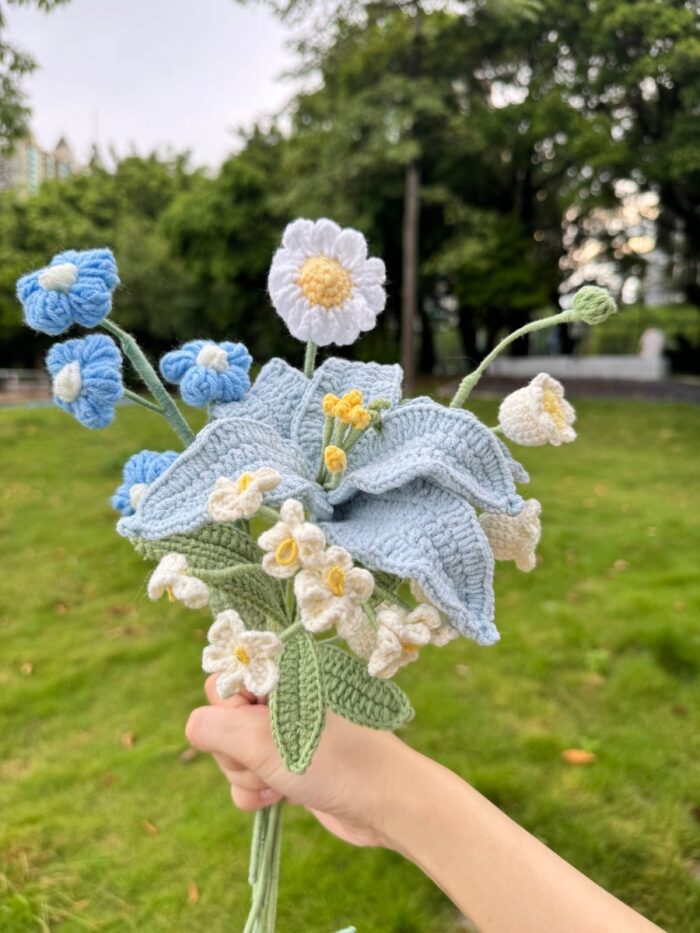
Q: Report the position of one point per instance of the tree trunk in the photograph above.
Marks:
(409, 283)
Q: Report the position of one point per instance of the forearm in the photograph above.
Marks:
(499, 875)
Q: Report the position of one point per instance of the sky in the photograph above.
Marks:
(152, 74)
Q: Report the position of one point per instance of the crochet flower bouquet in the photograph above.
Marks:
(332, 529)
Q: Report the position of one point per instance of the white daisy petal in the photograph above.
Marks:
(322, 284)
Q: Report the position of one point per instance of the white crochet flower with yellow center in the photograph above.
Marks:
(241, 658)
(538, 414)
(232, 500)
(172, 576)
(400, 637)
(440, 631)
(514, 537)
(322, 284)
(332, 593)
(292, 543)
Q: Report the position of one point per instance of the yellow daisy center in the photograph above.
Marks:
(244, 481)
(287, 552)
(324, 282)
(241, 654)
(552, 405)
(335, 580)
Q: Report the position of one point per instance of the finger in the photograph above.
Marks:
(227, 764)
(253, 799)
(242, 733)
(246, 780)
(242, 698)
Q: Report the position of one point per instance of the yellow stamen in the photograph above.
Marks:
(342, 410)
(335, 459)
(552, 405)
(335, 580)
(324, 282)
(411, 649)
(171, 595)
(287, 552)
(241, 654)
(360, 418)
(329, 403)
(244, 481)
(353, 397)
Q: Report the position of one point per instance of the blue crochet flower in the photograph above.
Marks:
(140, 470)
(406, 504)
(208, 372)
(87, 378)
(75, 288)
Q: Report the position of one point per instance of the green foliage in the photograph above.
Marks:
(227, 560)
(352, 693)
(14, 66)
(298, 702)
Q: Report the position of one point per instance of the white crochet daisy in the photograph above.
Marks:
(514, 537)
(292, 543)
(241, 658)
(172, 576)
(538, 414)
(440, 631)
(400, 636)
(322, 284)
(231, 500)
(332, 592)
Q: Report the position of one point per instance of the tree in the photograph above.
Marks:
(14, 66)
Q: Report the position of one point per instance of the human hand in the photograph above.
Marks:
(347, 787)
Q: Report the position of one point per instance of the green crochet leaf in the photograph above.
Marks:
(298, 703)
(352, 693)
(228, 561)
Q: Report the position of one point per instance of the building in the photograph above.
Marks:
(27, 165)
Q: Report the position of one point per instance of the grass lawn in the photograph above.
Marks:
(106, 826)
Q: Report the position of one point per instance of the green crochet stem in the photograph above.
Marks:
(469, 381)
(264, 870)
(140, 400)
(310, 359)
(151, 380)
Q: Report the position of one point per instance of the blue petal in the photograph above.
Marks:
(274, 398)
(424, 533)
(447, 446)
(201, 385)
(177, 502)
(339, 376)
(45, 311)
(237, 354)
(144, 467)
(175, 364)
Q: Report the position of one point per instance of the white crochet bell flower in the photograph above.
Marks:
(322, 284)
(514, 537)
(172, 576)
(538, 414)
(232, 500)
(241, 658)
(292, 543)
(332, 592)
(400, 637)
(441, 632)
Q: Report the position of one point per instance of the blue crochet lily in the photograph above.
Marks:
(140, 470)
(406, 504)
(86, 378)
(75, 288)
(208, 372)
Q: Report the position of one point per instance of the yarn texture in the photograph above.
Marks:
(87, 378)
(593, 305)
(515, 537)
(140, 470)
(75, 288)
(208, 372)
(538, 414)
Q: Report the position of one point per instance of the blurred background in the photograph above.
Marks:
(498, 154)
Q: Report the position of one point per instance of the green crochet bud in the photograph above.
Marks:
(379, 404)
(593, 305)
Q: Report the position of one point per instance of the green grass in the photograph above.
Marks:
(600, 649)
